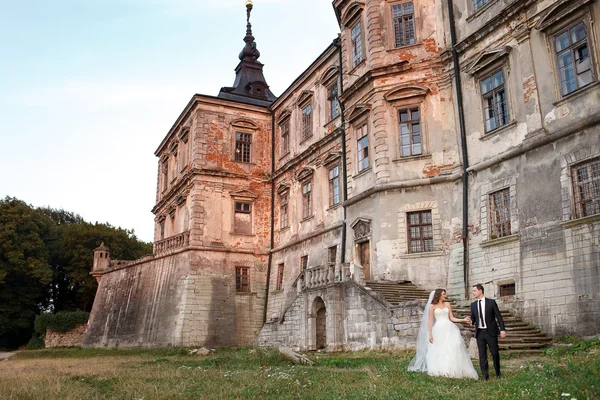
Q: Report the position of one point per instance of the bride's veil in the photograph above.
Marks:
(419, 362)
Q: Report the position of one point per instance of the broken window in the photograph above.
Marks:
(586, 188)
(283, 209)
(279, 283)
(242, 220)
(332, 255)
(303, 262)
(357, 44)
(573, 58)
(363, 148)
(242, 279)
(404, 24)
(500, 214)
(410, 132)
(306, 199)
(306, 122)
(495, 107)
(420, 231)
(508, 289)
(334, 185)
(243, 144)
(334, 103)
(285, 137)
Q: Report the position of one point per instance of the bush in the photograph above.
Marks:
(60, 322)
(35, 343)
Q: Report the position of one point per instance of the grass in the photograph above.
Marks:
(265, 374)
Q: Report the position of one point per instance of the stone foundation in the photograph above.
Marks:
(72, 338)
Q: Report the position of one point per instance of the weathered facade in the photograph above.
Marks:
(442, 146)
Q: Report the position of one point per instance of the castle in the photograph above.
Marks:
(445, 143)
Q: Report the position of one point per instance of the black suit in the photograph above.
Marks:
(488, 337)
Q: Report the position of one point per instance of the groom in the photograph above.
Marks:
(484, 314)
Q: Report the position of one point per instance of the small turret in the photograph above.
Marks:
(101, 261)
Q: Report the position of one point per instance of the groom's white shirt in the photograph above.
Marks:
(481, 319)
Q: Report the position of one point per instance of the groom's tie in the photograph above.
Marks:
(481, 318)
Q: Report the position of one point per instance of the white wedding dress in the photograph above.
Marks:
(447, 355)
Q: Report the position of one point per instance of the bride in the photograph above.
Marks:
(441, 350)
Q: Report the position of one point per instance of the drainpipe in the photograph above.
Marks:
(338, 43)
(272, 242)
(465, 156)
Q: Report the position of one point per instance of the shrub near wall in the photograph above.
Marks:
(63, 329)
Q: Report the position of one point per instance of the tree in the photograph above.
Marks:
(24, 268)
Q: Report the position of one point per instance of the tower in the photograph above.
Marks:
(101, 261)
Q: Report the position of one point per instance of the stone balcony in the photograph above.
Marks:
(172, 243)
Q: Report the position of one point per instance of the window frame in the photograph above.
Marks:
(332, 187)
(393, 28)
(489, 74)
(284, 130)
(240, 277)
(362, 133)
(500, 225)
(357, 43)
(304, 262)
(243, 144)
(279, 278)
(242, 210)
(307, 120)
(555, 32)
(421, 239)
(578, 212)
(333, 99)
(482, 5)
(410, 122)
(307, 198)
(284, 221)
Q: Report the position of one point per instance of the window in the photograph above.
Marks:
(242, 279)
(404, 24)
(279, 283)
(332, 255)
(500, 213)
(304, 262)
(306, 122)
(363, 148)
(162, 230)
(165, 174)
(420, 231)
(508, 289)
(334, 185)
(242, 220)
(284, 199)
(357, 45)
(285, 137)
(243, 142)
(495, 107)
(334, 103)
(573, 58)
(410, 132)
(477, 4)
(586, 188)
(306, 199)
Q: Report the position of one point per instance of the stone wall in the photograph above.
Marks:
(71, 338)
(356, 319)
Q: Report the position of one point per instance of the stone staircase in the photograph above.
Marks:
(521, 336)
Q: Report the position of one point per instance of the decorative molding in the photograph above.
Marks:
(283, 116)
(305, 98)
(247, 194)
(357, 111)
(244, 124)
(332, 157)
(558, 12)
(485, 58)
(282, 188)
(405, 92)
(305, 173)
(330, 74)
(362, 228)
(352, 12)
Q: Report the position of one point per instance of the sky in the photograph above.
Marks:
(89, 88)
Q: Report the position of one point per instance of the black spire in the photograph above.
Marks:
(250, 85)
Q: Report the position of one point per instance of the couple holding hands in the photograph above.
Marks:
(441, 349)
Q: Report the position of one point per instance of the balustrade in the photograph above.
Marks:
(171, 243)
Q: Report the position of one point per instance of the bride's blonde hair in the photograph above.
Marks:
(437, 295)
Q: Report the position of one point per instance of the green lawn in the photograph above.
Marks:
(265, 374)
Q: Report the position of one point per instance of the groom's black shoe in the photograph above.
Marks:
(485, 378)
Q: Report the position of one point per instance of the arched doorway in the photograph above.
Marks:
(320, 313)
